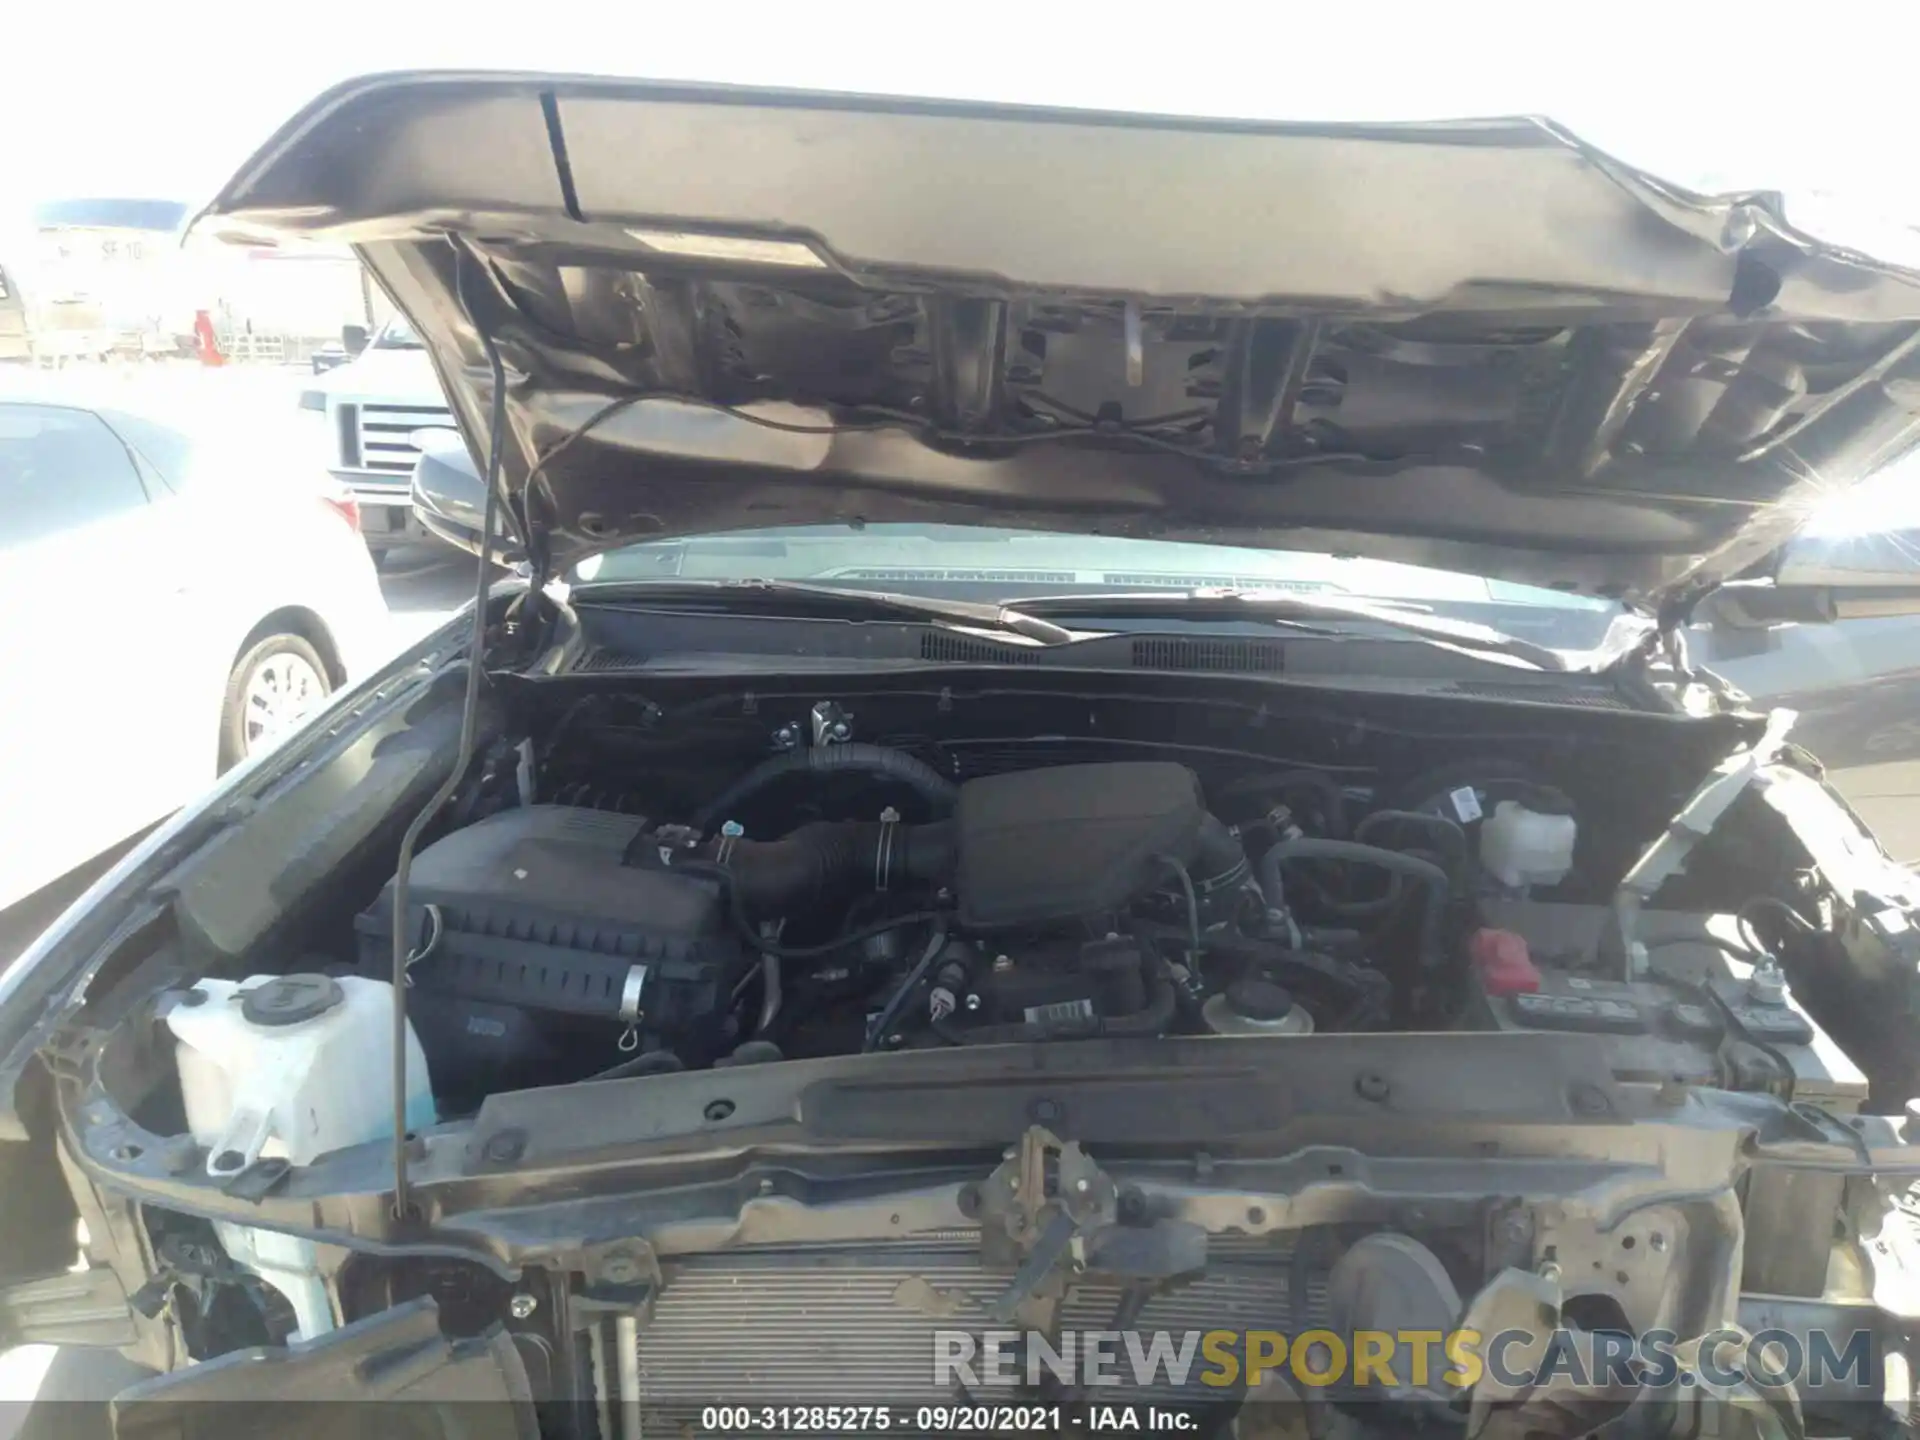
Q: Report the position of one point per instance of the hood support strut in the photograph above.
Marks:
(463, 756)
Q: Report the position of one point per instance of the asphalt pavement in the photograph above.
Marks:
(424, 586)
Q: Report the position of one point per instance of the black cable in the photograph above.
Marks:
(851, 937)
(1772, 904)
(1193, 903)
(763, 946)
(1730, 1022)
(906, 420)
(1425, 872)
(1730, 1027)
(890, 1012)
(463, 753)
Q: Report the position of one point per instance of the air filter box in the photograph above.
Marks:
(533, 908)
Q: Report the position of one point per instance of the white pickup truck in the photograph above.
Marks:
(371, 406)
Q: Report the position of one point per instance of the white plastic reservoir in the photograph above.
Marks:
(290, 1066)
(1521, 847)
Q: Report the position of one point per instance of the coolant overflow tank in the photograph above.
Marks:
(1521, 847)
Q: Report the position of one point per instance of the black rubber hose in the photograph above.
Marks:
(1425, 872)
(1458, 852)
(1153, 1019)
(1459, 858)
(1219, 860)
(1291, 966)
(650, 1062)
(1333, 798)
(829, 862)
(758, 944)
(1454, 837)
(917, 775)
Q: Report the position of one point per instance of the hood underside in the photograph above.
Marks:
(1479, 345)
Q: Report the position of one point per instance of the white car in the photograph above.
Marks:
(373, 407)
(174, 604)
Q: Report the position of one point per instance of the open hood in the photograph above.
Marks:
(1479, 345)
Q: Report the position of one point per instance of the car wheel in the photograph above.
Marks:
(276, 685)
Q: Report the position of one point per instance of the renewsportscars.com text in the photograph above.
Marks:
(1395, 1360)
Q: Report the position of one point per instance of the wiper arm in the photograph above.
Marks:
(1274, 607)
(792, 597)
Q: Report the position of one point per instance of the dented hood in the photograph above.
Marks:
(1481, 345)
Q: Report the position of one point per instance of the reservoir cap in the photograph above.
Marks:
(291, 999)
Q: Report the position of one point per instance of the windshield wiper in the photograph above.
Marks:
(1272, 607)
(830, 602)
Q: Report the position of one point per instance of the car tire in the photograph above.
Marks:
(273, 686)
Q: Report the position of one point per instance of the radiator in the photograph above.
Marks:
(856, 1325)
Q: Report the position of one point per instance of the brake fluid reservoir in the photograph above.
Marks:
(290, 1067)
(1521, 847)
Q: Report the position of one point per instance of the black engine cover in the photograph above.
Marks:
(1047, 847)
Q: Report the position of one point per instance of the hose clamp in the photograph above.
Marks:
(433, 929)
(883, 850)
(630, 1011)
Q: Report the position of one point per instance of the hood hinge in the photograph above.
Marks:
(1671, 619)
(1675, 611)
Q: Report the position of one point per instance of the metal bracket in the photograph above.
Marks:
(1056, 1215)
(1621, 951)
(1035, 1208)
(620, 1276)
(831, 724)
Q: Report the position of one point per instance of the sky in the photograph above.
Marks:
(167, 100)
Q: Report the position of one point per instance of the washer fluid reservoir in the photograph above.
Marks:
(290, 1067)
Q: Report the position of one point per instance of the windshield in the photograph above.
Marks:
(1006, 566)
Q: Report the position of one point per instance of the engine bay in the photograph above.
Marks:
(587, 917)
(629, 886)
(707, 988)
